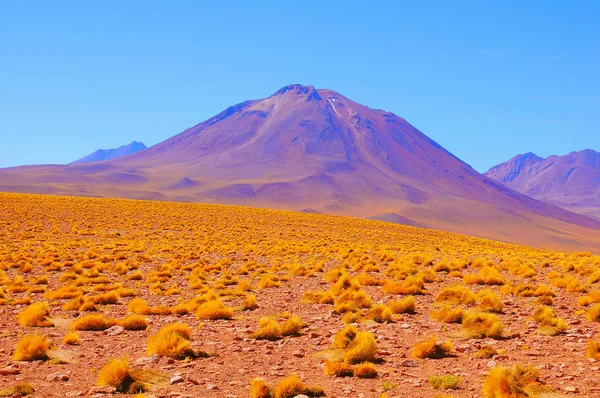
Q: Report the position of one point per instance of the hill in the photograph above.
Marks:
(258, 293)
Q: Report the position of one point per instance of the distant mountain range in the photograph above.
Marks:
(303, 148)
(571, 181)
(107, 154)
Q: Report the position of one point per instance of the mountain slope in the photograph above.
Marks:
(305, 148)
(571, 181)
(114, 153)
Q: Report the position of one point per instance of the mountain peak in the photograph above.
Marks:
(299, 90)
(113, 153)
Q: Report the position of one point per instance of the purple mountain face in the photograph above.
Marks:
(107, 154)
(571, 181)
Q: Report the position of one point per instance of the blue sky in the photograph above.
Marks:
(487, 80)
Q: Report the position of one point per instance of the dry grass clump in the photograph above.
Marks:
(445, 382)
(515, 382)
(93, 323)
(268, 329)
(365, 370)
(338, 369)
(430, 348)
(478, 325)
(214, 309)
(486, 352)
(362, 348)
(404, 306)
(32, 348)
(318, 297)
(260, 389)
(593, 314)
(173, 341)
(292, 326)
(411, 285)
(550, 324)
(489, 301)
(18, 390)
(134, 322)
(593, 350)
(352, 300)
(379, 313)
(116, 374)
(36, 315)
(456, 294)
(289, 387)
(249, 303)
(71, 338)
(344, 337)
(447, 314)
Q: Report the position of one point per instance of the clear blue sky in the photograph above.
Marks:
(487, 80)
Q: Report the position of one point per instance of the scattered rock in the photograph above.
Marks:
(114, 330)
(408, 363)
(176, 380)
(57, 377)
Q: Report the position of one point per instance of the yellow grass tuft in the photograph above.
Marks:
(250, 303)
(550, 324)
(338, 369)
(430, 348)
(268, 329)
(134, 322)
(173, 341)
(366, 370)
(489, 301)
(478, 325)
(362, 348)
(93, 323)
(456, 294)
(36, 315)
(404, 306)
(344, 337)
(445, 382)
(516, 382)
(214, 309)
(447, 314)
(18, 390)
(260, 389)
(593, 350)
(32, 348)
(292, 386)
(485, 352)
(379, 313)
(593, 314)
(292, 326)
(71, 338)
(116, 374)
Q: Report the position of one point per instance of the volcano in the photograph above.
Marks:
(303, 148)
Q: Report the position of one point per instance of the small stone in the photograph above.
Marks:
(176, 380)
(9, 371)
(301, 396)
(572, 389)
(212, 387)
(58, 377)
(408, 364)
(114, 330)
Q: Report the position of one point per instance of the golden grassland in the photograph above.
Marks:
(152, 260)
